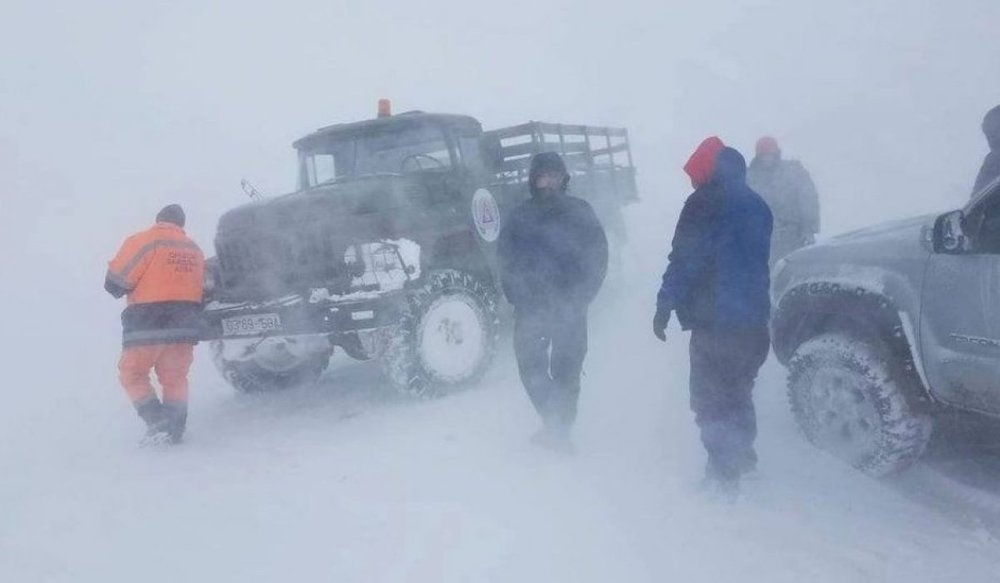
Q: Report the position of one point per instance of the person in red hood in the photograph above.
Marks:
(717, 282)
(701, 165)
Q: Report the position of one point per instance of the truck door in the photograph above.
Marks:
(960, 316)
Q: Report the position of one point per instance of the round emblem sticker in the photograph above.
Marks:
(486, 215)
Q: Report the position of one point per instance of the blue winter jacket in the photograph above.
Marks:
(718, 275)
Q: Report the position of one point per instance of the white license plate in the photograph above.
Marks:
(251, 325)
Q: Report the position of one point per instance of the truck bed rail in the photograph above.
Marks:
(598, 158)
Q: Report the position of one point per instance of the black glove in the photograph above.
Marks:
(114, 289)
(660, 321)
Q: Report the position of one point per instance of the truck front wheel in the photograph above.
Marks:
(272, 363)
(847, 402)
(446, 336)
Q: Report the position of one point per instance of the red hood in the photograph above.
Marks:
(701, 165)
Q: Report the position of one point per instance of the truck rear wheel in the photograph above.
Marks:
(845, 399)
(446, 337)
(276, 364)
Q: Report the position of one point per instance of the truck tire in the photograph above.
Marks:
(845, 399)
(258, 375)
(446, 337)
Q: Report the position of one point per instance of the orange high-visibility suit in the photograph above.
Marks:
(161, 271)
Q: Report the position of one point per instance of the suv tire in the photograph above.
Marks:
(446, 337)
(847, 402)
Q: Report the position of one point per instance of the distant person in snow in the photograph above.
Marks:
(161, 271)
(553, 257)
(789, 190)
(991, 165)
(717, 282)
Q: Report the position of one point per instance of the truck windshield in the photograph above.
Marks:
(388, 152)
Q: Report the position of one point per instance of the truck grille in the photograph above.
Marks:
(266, 265)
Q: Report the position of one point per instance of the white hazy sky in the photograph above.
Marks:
(110, 109)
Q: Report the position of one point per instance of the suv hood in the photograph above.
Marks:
(859, 257)
(891, 230)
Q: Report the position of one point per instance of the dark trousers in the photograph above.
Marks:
(724, 366)
(550, 347)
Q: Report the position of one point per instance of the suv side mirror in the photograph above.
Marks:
(949, 234)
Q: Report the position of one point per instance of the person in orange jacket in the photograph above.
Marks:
(162, 272)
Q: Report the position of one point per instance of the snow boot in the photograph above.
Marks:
(721, 482)
(555, 439)
(175, 415)
(157, 423)
(748, 465)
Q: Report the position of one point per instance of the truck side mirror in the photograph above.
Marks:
(949, 234)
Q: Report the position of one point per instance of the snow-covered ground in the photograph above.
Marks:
(340, 482)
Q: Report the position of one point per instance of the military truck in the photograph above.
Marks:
(387, 249)
(885, 329)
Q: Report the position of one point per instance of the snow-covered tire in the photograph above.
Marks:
(252, 376)
(847, 402)
(446, 337)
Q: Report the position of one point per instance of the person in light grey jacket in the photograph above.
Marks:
(789, 190)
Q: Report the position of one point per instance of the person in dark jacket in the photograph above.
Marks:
(717, 282)
(991, 165)
(553, 257)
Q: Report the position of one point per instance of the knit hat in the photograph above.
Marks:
(768, 145)
(172, 213)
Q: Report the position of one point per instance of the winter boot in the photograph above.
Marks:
(157, 425)
(721, 481)
(554, 438)
(176, 418)
(748, 464)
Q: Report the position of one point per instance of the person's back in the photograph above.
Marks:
(990, 169)
(745, 240)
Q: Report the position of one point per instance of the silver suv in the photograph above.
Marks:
(881, 329)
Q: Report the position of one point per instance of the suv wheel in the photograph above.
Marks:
(446, 337)
(277, 363)
(847, 402)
